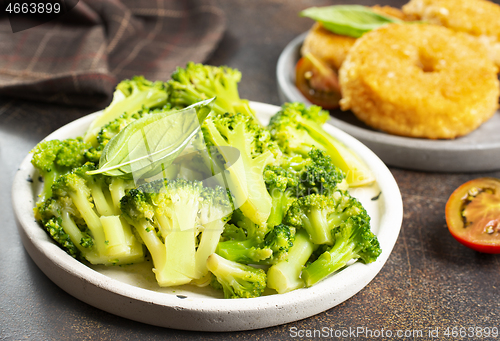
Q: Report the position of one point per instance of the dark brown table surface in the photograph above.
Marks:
(429, 282)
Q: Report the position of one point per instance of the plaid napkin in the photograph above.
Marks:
(79, 58)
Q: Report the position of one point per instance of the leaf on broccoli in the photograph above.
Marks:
(152, 142)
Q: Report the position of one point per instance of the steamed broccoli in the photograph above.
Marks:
(319, 214)
(129, 97)
(280, 239)
(236, 279)
(180, 222)
(285, 275)
(226, 132)
(254, 250)
(55, 157)
(238, 195)
(282, 184)
(82, 216)
(318, 174)
(197, 82)
(244, 226)
(353, 240)
(296, 177)
(242, 234)
(298, 130)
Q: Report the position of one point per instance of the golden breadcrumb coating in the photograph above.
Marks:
(479, 18)
(390, 11)
(419, 80)
(330, 47)
(333, 48)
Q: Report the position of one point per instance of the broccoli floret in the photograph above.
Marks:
(82, 216)
(244, 173)
(280, 239)
(197, 82)
(285, 275)
(246, 251)
(237, 280)
(320, 214)
(318, 174)
(296, 177)
(130, 96)
(353, 240)
(298, 130)
(56, 157)
(247, 228)
(56, 231)
(172, 217)
(242, 240)
(215, 211)
(255, 250)
(282, 184)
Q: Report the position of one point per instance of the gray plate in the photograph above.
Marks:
(476, 152)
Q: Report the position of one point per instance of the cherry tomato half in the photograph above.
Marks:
(317, 82)
(473, 214)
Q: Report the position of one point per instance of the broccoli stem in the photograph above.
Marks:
(167, 262)
(113, 231)
(180, 264)
(329, 261)
(117, 189)
(246, 180)
(284, 276)
(244, 108)
(73, 231)
(78, 239)
(243, 251)
(48, 179)
(316, 224)
(354, 169)
(279, 206)
(101, 199)
(165, 223)
(155, 246)
(209, 239)
(237, 280)
(258, 205)
(82, 203)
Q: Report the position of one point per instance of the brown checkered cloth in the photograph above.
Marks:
(79, 58)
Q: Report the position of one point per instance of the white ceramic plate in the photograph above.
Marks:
(134, 294)
(472, 153)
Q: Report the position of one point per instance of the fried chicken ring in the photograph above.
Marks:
(479, 18)
(329, 47)
(333, 48)
(419, 80)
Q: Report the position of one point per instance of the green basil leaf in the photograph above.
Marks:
(152, 142)
(348, 20)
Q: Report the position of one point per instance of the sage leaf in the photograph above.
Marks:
(348, 20)
(152, 142)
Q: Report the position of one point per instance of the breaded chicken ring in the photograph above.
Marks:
(333, 48)
(419, 80)
(479, 18)
(329, 47)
